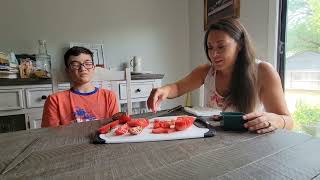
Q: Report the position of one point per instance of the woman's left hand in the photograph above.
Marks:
(260, 122)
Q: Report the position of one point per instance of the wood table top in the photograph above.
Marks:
(67, 152)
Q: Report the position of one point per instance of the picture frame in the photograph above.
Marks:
(220, 9)
(97, 50)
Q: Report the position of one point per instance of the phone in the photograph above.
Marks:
(233, 121)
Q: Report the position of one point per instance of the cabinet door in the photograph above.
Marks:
(34, 119)
(138, 90)
(37, 96)
(11, 99)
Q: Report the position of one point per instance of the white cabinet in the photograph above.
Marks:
(29, 99)
(11, 99)
(34, 119)
(140, 91)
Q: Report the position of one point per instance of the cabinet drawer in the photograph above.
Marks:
(37, 96)
(138, 90)
(11, 99)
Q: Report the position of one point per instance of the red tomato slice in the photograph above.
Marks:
(104, 129)
(139, 122)
(165, 124)
(122, 130)
(180, 125)
(124, 119)
(188, 121)
(156, 124)
(163, 130)
(135, 130)
(170, 130)
(114, 124)
(159, 130)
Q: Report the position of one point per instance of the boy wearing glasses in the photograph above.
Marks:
(83, 102)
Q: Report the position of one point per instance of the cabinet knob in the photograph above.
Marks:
(138, 90)
(43, 97)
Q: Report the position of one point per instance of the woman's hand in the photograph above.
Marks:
(261, 122)
(156, 97)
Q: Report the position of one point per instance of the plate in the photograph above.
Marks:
(202, 111)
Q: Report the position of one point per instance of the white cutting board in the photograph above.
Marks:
(147, 135)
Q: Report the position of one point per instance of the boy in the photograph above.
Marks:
(83, 102)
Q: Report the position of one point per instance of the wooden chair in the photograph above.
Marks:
(103, 75)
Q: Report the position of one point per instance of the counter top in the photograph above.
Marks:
(12, 82)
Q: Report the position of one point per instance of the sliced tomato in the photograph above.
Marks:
(143, 122)
(124, 118)
(180, 125)
(135, 130)
(184, 122)
(104, 129)
(163, 130)
(122, 130)
(170, 130)
(165, 124)
(159, 130)
(114, 124)
(156, 124)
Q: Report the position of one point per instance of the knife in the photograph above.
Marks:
(164, 112)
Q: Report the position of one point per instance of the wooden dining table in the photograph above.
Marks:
(68, 152)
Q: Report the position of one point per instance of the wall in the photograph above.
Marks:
(157, 30)
(167, 34)
(258, 16)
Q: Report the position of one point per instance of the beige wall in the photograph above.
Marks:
(157, 30)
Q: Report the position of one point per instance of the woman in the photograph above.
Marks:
(234, 80)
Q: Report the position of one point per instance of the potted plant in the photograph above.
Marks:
(307, 118)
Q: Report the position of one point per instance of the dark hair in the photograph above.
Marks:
(243, 90)
(76, 51)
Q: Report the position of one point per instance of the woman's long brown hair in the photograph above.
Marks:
(243, 94)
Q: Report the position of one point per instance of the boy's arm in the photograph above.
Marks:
(50, 117)
(113, 104)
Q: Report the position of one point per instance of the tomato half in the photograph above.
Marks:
(122, 130)
(104, 129)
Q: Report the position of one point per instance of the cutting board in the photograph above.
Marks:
(146, 135)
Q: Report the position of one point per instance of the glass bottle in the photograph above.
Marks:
(43, 61)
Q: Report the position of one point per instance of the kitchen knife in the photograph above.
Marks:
(164, 112)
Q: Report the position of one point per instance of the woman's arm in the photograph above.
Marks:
(271, 95)
(192, 81)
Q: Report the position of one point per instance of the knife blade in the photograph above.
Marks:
(164, 112)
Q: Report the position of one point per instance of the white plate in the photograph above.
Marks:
(202, 111)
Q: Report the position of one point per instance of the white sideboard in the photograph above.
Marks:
(28, 100)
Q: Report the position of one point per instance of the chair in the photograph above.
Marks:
(102, 75)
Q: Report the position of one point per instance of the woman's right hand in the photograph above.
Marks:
(156, 97)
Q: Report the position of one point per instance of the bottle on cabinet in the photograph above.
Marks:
(43, 61)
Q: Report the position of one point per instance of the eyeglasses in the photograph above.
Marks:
(77, 65)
